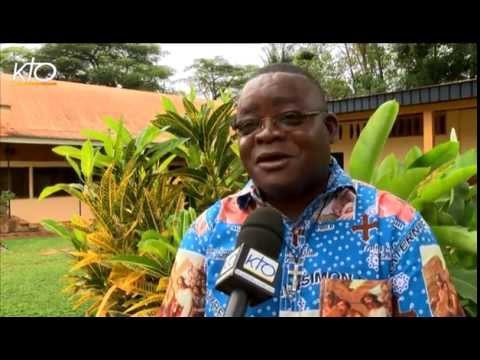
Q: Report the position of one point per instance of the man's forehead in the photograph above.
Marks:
(277, 80)
(279, 87)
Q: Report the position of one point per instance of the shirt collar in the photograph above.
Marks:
(338, 179)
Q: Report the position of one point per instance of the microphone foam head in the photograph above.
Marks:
(263, 231)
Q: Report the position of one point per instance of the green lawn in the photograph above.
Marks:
(32, 278)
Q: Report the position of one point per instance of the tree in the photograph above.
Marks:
(279, 53)
(212, 76)
(370, 67)
(12, 55)
(347, 69)
(319, 61)
(132, 66)
(434, 63)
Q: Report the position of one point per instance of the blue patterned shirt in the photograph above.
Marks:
(355, 251)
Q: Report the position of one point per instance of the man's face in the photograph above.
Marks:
(181, 283)
(342, 307)
(368, 302)
(280, 162)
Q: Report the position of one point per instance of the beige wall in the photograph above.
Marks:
(398, 145)
(468, 137)
(465, 124)
(464, 121)
(344, 148)
(60, 208)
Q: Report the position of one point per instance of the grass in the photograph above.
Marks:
(32, 278)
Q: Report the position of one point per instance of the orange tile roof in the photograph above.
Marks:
(60, 111)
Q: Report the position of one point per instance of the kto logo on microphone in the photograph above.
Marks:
(260, 265)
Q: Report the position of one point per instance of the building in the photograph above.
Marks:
(426, 116)
(35, 118)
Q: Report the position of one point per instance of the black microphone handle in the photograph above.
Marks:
(237, 304)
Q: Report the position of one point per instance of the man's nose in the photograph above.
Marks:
(268, 131)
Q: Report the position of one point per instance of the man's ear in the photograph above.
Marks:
(331, 123)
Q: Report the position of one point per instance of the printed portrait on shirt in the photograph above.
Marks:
(230, 212)
(185, 295)
(355, 298)
(200, 225)
(340, 207)
(390, 205)
(442, 295)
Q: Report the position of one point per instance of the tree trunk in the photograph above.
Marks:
(350, 66)
(362, 49)
(379, 63)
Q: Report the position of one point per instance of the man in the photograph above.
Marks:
(375, 307)
(340, 309)
(285, 132)
(446, 302)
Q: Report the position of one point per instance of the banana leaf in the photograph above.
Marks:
(443, 184)
(387, 170)
(438, 156)
(457, 237)
(466, 159)
(445, 218)
(456, 205)
(371, 141)
(413, 154)
(402, 186)
(465, 282)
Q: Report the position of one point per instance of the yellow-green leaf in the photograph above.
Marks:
(168, 104)
(87, 159)
(457, 237)
(372, 140)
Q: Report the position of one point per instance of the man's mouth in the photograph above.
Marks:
(272, 160)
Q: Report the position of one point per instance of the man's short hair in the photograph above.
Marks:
(290, 69)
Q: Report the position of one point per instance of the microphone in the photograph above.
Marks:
(250, 272)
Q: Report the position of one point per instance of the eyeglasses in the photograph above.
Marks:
(286, 121)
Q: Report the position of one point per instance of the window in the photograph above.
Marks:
(417, 125)
(351, 131)
(440, 124)
(340, 134)
(16, 180)
(408, 125)
(43, 177)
